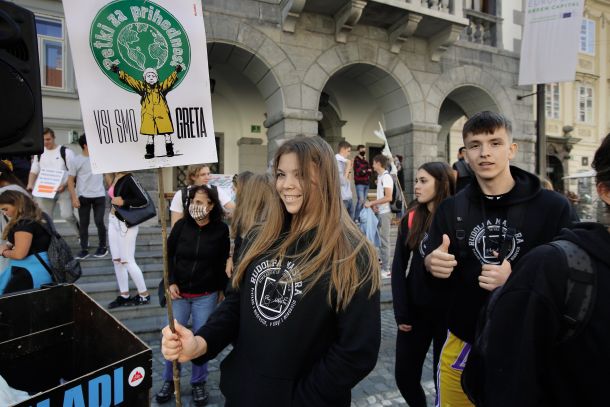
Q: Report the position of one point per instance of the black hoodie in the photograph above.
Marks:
(546, 213)
(291, 348)
(525, 364)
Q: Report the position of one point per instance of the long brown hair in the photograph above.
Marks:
(25, 208)
(256, 198)
(444, 186)
(337, 250)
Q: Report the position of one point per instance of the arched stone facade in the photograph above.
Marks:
(301, 63)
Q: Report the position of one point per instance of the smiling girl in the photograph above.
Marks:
(304, 313)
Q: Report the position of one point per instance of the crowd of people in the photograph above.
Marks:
(464, 274)
(483, 270)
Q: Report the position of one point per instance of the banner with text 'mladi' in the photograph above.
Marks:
(143, 83)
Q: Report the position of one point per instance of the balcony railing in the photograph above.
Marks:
(483, 28)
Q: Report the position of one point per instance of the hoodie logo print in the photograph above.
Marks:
(274, 292)
(487, 237)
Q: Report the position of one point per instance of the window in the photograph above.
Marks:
(551, 102)
(587, 36)
(585, 103)
(51, 48)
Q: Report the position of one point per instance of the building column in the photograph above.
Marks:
(288, 124)
(418, 144)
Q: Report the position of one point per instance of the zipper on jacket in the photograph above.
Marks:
(196, 254)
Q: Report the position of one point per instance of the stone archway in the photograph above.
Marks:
(273, 76)
(245, 92)
(391, 86)
(462, 101)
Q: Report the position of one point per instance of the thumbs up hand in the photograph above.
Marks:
(440, 263)
(494, 275)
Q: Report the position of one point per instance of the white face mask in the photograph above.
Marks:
(198, 212)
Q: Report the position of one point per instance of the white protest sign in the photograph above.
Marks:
(47, 183)
(550, 41)
(143, 83)
(224, 182)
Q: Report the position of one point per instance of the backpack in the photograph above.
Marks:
(396, 204)
(62, 153)
(64, 268)
(581, 284)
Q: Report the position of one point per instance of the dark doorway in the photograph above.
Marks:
(555, 172)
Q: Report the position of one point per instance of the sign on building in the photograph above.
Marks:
(143, 83)
(550, 41)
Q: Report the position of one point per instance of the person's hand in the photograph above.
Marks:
(61, 189)
(178, 68)
(4, 247)
(375, 208)
(29, 188)
(494, 275)
(440, 263)
(229, 267)
(405, 327)
(114, 68)
(174, 292)
(221, 297)
(182, 345)
(118, 201)
(75, 203)
(367, 204)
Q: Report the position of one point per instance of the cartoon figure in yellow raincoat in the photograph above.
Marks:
(155, 116)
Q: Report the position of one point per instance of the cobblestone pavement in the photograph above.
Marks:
(377, 389)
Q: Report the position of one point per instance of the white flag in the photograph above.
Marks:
(386, 148)
(551, 34)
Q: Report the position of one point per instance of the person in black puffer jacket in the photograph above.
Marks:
(197, 252)
(528, 360)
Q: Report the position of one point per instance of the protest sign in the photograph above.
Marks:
(143, 83)
(47, 183)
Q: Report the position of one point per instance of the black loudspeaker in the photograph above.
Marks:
(20, 97)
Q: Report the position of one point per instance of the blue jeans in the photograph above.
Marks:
(361, 192)
(199, 309)
(349, 206)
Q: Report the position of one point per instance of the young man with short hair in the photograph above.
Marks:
(345, 170)
(362, 176)
(479, 233)
(87, 192)
(381, 206)
(54, 157)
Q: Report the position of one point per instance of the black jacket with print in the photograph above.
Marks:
(197, 256)
(485, 224)
(291, 349)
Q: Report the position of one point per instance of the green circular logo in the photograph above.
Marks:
(138, 37)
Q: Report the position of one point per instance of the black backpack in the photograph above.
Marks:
(581, 284)
(396, 204)
(64, 268)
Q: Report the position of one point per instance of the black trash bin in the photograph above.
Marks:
(61, 347)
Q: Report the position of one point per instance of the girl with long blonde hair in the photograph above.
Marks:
(303, 315)
(255, 200)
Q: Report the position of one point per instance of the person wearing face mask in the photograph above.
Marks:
(197, 251)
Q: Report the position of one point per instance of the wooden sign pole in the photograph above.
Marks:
(170, 312)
